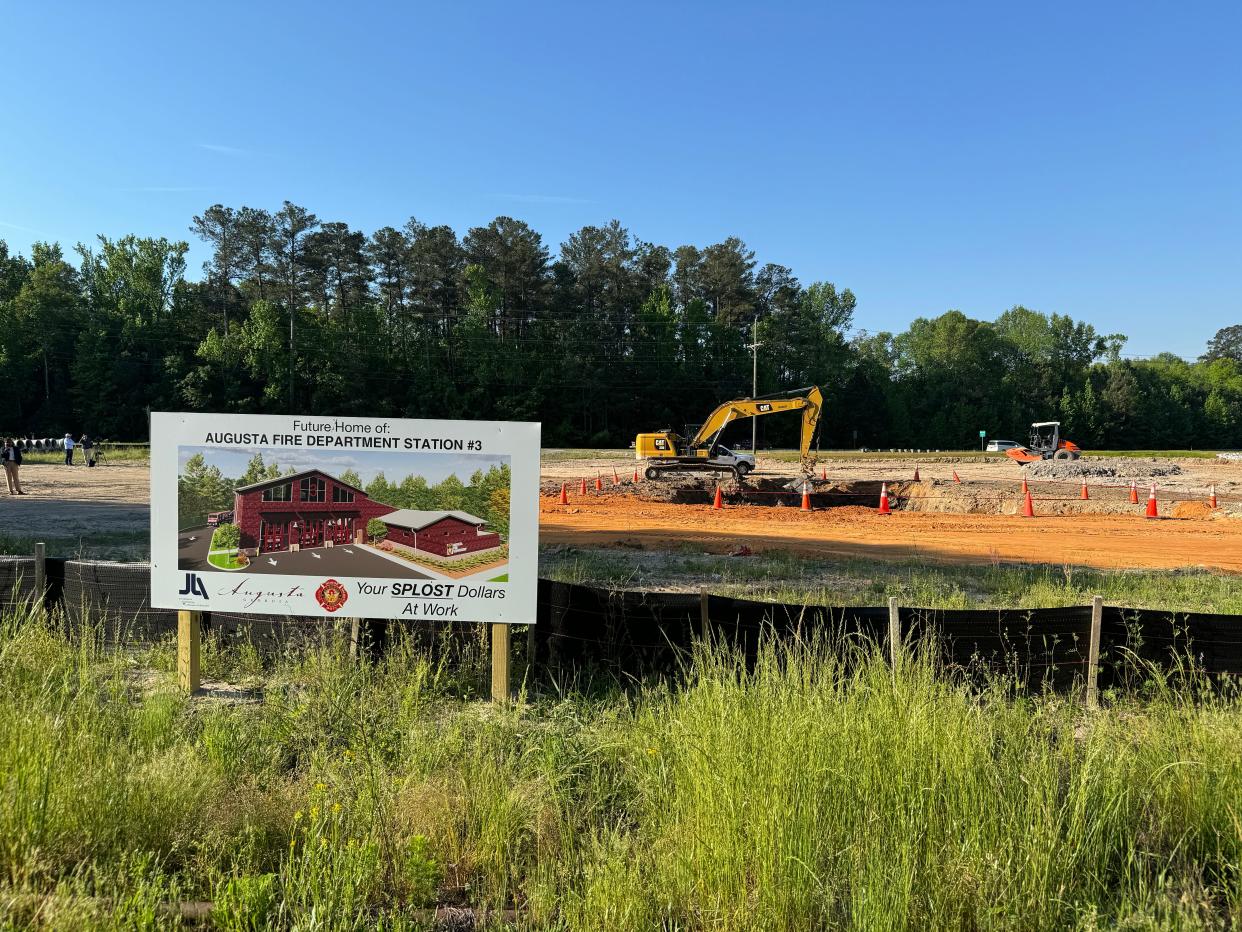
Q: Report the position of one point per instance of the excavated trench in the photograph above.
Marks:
(931, 496)
(771, 491)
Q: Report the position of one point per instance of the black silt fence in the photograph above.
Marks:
(114, 598)
(1041, 648)
(638, 634)
(1170, 641)
(17, 581)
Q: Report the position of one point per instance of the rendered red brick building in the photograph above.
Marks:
(442, 533)
(305, 509)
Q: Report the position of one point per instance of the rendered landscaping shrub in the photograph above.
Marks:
(224, 544)
(478, 558)
(226, 537)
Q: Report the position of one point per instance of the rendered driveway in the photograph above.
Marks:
(344, 560)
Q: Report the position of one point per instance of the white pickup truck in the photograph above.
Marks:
(742, 463)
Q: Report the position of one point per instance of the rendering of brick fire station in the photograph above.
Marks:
(314, 509)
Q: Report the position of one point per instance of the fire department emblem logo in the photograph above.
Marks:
(331, 595)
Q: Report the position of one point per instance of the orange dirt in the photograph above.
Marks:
(1109, 541)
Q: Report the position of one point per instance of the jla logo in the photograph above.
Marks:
(193, 586)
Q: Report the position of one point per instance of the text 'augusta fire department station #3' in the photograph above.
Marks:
(345, 517)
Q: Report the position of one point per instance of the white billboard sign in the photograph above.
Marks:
(340, 516)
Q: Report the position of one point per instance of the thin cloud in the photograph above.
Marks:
(163, 189)
(18, 226)
(546, 199)
(223, 150)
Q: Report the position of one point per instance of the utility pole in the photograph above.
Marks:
(754, 382)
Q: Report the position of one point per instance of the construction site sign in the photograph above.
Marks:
(345, 517)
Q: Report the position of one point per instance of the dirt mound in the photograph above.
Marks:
(1192, 510)
(676, 488)
(1120, 468)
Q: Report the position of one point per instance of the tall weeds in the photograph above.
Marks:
(811, 789)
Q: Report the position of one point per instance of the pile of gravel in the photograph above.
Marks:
(1119, 468)
(1231, 457)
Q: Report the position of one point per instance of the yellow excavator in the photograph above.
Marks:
(666, 451)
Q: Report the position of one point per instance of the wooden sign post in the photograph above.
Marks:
(1093, 653)
(894, 633)
(500, 663)
(188, 643)
(40, 572)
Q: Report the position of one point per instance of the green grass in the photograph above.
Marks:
(126, 546)
(560, 455)
(805, 794)
(782, 577)
(792, 456)
(118, 453)
(1179, 454)
(226, 561)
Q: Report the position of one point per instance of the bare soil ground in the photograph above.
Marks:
(106, 503)
(1183, 486)
(937, 517)
(1106, 541)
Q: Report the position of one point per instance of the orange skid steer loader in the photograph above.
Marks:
(1046, 444)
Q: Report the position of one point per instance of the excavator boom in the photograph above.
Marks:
(809, 401)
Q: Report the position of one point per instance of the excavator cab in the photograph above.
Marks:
(1046, 444)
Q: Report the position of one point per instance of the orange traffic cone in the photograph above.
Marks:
(636, 476)
(1028, 507)
(1133, 493)
(916, 474)
(599, 484)
(1212, 498)
(806, 498)
(884, 509)
(1025, 489)
(564, 494)
(582, 491)
(718, 504)
(824, 476)
(1085, 495)
(1151, 503)
(955, 477)
(616, 480)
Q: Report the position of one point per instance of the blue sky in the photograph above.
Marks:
(394, 464)
(1079, 158)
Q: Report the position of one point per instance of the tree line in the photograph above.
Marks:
(609, 336)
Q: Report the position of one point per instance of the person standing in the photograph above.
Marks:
(11, 455)
(88, 449)
(68, 449)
